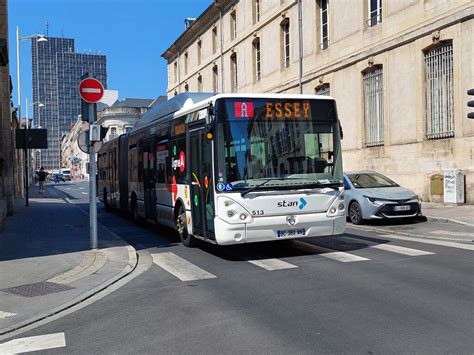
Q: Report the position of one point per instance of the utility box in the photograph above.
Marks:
(454, 186)
(437, 184)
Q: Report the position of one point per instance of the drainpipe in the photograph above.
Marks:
(216, 2)
(300, 45)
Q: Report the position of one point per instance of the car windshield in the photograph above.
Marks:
(294, 143)
(370, 180)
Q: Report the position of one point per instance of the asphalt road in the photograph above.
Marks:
(365, 292)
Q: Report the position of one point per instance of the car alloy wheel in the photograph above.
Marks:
(355, 213)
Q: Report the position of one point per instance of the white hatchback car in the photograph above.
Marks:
(371, 195)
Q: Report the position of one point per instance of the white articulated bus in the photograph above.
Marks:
(231, 168)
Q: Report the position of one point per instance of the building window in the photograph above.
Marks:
(256, 11)
(127, 129)
(256, 58)
(373, 106)
(199, 83)
(214, 40)
(199, 52)
(113, 132)
(233, 25)
(322, 89)
(215, 78)
(233, 72)
(175, 71)
(186, 60)
(285, 43)
(324, 23)
(375, 12)
(439, 92)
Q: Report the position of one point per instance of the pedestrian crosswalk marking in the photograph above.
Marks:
(429, 241)
(401, 250)
(6, 314)
(328, 253)
(343, 257)
(35, 343)
(272, 264)
(182, 269)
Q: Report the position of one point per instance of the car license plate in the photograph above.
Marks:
(291, 233)
(402, 208)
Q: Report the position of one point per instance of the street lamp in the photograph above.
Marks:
(36, 125)
(39, 111)
(39, 38)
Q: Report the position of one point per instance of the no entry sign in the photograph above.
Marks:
(91, 90)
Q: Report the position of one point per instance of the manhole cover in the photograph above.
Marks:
(37, 289)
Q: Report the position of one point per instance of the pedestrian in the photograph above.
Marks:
(41, 179)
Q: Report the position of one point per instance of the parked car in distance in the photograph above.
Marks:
(66, 173)
(57, 176)
(371, 195)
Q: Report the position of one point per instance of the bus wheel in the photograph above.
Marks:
(181, 226)
(134, 211)
(355, 213)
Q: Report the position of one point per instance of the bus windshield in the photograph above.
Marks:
(277, 144)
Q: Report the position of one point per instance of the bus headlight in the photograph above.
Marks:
(231, 211)
(337, 207)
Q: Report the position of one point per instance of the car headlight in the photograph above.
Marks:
(374, 200)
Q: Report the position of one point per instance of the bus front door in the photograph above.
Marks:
(201, 183)
(149, 179)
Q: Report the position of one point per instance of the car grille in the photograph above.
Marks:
(388, 210)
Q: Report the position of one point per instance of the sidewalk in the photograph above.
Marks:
(462, 214)
(46, 264)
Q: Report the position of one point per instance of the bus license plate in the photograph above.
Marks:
(402, 208)
(291, 233)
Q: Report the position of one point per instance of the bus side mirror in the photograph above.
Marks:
(341, 133)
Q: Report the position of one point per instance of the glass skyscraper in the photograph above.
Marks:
(57, 71)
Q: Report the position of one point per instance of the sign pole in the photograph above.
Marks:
(91, 91)
(92, 185)
(26, 164)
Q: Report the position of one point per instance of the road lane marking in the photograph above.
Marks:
(401, 250)
(272, 264)
(4, 315)
(182, 269)
(343, 257)
(36, 343)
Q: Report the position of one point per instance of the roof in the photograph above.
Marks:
(176, 103)
(133, 103)
(198, 27)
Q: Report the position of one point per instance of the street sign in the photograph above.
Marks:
(83, 141)
(37, 138)
(91, 90)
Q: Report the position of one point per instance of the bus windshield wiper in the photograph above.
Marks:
(259, 185)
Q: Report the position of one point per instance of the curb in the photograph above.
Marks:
(131, 265)
(449, 220)
(385, 231)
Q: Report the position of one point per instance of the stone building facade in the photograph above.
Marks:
(399, 70)
(7, 151)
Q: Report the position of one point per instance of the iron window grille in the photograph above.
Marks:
(373, 107)
(439, 92)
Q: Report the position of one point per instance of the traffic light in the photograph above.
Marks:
(470, 103)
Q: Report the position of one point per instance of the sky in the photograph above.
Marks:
(131, 33)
